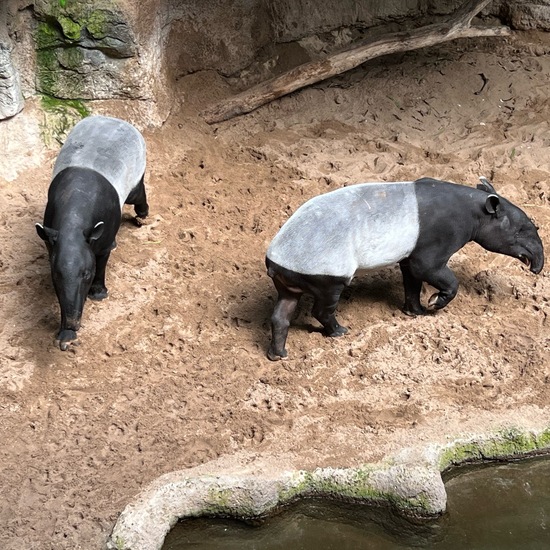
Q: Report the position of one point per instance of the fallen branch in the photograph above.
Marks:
(315, 71)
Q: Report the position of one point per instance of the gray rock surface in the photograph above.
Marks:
(527, 15)
(86, 50)
(11, 98)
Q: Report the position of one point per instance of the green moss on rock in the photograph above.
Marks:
(97, 24)
(60, 115)
(74, 42)
(47, 35)
(71, 29)
(46, 66)
(52, 103)
(543, 439)
(218, 500)
(98, 18)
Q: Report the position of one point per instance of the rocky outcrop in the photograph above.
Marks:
(101, 50)
(85, 50)
(11, 99)
(528, 15)
(120, 49)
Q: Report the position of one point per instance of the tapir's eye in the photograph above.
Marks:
(533, 222)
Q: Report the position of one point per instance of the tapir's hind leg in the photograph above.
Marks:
(138, 198)
(413, 286)
(280, 320)
(324, 306)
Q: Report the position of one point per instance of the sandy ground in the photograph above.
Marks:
(171, 369)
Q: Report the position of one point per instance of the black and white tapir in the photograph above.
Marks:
(100, 167)
(418, 224)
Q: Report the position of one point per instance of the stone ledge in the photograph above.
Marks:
(252, 486)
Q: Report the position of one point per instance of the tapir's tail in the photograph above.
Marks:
(287, 278)
(270, 271)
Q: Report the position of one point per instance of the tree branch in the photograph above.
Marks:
(315, 71)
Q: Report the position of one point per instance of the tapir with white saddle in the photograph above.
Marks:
(100, 167)
(418, 224)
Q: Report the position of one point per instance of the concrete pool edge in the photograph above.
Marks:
(410, 481)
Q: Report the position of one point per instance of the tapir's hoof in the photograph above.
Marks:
(140, 220)
(433, 302)
(98, 294)
(338, 331)
(274, 356)
(66, 338)
(414, 312)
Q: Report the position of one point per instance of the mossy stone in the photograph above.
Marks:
(59, 118)
(71, 29)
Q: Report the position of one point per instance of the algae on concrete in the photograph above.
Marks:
(414, 488)
(217, 502)
(508, 443)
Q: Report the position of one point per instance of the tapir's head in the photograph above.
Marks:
(506, 229)
(73, 268)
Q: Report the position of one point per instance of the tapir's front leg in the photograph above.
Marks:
(98, 290)
(441, 278)
(326, 301)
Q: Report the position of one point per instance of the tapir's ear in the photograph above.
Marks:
(47, 234)
(485, 185)
(97, 231)
(492, 204)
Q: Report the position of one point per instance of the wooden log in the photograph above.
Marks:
(315, 71)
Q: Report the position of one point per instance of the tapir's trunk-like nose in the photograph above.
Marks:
(537, 262)
(71, 304)
(72, 322)
(67, 332)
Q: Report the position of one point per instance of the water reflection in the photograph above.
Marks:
(503, 507)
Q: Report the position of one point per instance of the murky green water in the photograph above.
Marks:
(504, 507)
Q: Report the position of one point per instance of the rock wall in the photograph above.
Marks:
(11, 98)
(527, 15)
(121, 49)
(83, 49)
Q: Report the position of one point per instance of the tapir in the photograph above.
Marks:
(418, 224)
(100, 167)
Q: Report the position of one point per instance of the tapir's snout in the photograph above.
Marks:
(73, 322)
(533, 255)
(65, 338)
(67, 333)
(529, 250)
(537, 263)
